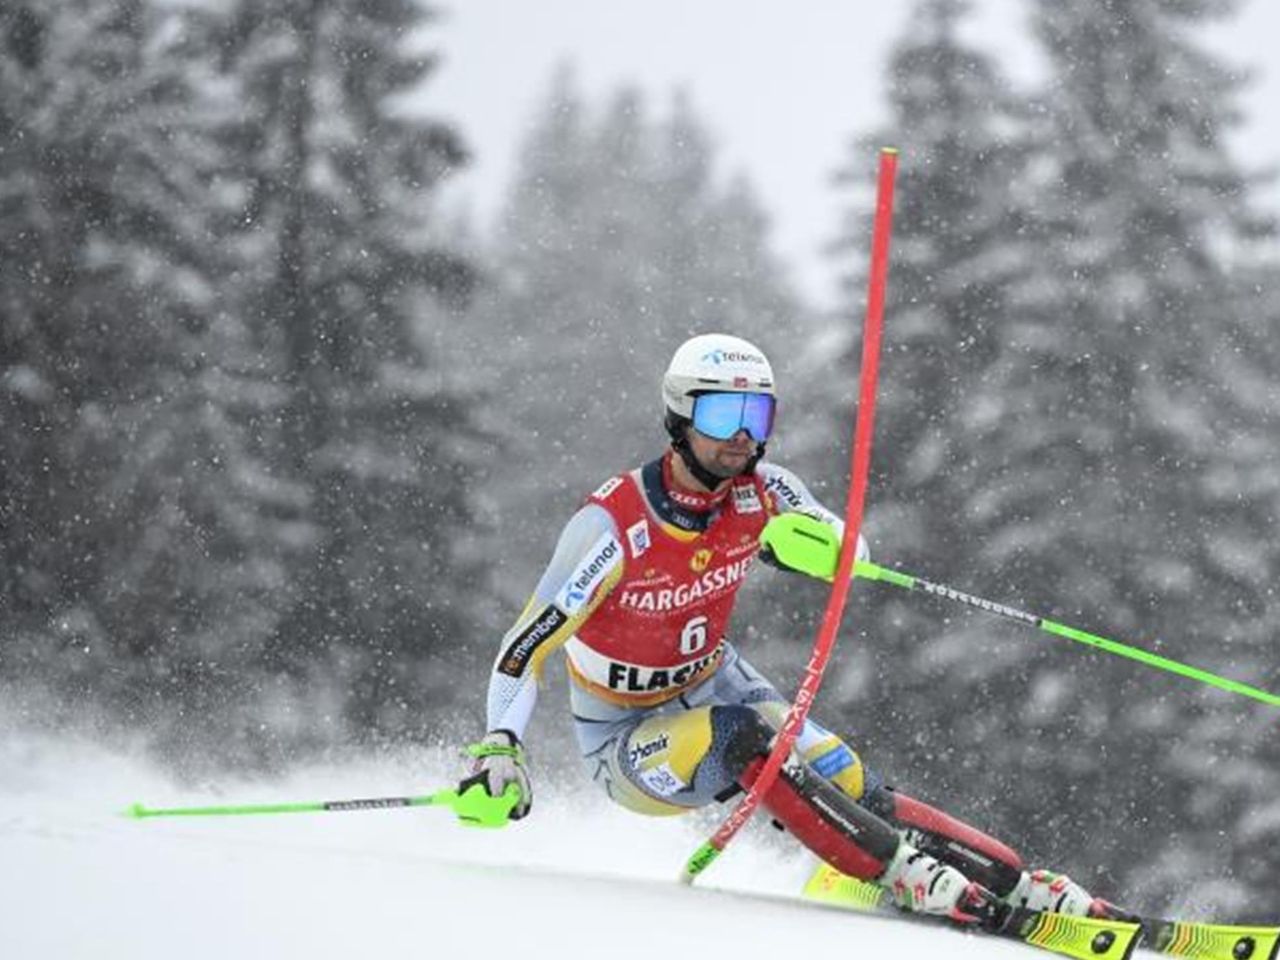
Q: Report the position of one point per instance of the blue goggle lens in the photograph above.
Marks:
(721, 415)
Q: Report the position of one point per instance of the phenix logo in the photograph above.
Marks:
(643, 751)
(674, 598)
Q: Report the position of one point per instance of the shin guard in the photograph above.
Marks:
(825, 819)
(843, 833)
(980, 857)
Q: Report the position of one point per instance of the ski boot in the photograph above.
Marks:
(921, 884)
(1045, 891)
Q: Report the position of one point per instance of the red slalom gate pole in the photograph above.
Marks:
(861, 464)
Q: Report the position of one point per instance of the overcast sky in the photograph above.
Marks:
(783, 85)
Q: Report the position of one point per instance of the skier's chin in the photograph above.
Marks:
(727, 466)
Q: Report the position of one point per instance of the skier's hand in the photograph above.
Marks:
(807, 542)
(499, 764)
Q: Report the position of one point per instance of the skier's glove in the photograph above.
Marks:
(499, 765)
(806, 542)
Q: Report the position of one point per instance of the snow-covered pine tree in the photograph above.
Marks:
(959, 248)
(1148, 394)
(138, 546)
(344, 278)
(1114, 470)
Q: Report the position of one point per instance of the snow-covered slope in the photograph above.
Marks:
(578, 879)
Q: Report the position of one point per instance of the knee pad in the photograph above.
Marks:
(751, 730)
(834, 760)
(827, 754)
(740, 735)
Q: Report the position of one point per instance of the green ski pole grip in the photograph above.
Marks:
(476, 808)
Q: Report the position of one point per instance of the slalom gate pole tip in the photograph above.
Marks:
(703, 858)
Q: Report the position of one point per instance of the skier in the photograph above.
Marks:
(669, 716)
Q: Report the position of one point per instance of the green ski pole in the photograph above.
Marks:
(808, 545)
(474, 807)
(871, 571)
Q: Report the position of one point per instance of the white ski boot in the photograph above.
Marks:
(1045, 891)
(921, 884)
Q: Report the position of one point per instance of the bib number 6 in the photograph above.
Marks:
(694, 636)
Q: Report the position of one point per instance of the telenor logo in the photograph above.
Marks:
(606, 554)
(718, 357)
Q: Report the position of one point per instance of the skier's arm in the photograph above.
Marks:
(551, 616)
(586, 565)
(788, 494)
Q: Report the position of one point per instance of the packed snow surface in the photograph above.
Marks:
(577, 879)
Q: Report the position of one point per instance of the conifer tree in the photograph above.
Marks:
(344, 279)
(1099, 457)
(1141, 365)
(133, 538)
(958, 251)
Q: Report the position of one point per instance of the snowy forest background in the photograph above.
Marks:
(283, 446)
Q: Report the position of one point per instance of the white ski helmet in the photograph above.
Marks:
(714, 362)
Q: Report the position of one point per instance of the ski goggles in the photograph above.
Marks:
(721, 415)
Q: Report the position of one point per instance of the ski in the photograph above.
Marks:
(1078, 936)
(1210, 941)
(1083, 938)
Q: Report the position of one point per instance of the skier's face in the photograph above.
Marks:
(724, 458)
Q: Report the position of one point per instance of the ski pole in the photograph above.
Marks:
(474, 807)
(807, 545)
(706, 854)
(897, 578)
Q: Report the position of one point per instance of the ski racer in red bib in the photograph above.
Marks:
(668, 714)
